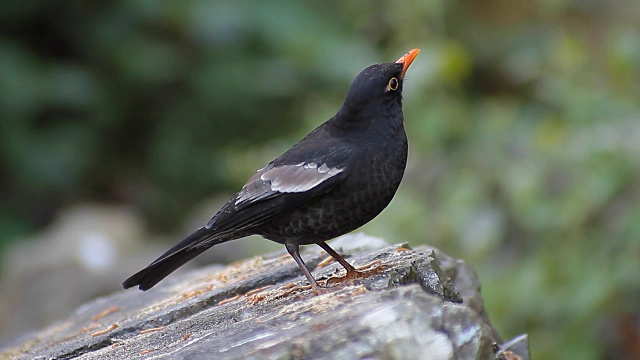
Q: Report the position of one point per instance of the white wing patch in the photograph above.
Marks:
(286, 179)
(298, 178)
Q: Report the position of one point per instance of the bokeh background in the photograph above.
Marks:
(124, 124)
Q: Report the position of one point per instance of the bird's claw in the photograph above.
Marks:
(357, 274)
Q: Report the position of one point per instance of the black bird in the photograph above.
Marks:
(336, 179)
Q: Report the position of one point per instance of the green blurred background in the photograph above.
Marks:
(523, 119)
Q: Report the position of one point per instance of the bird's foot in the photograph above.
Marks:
(317, 289)
(360, 272)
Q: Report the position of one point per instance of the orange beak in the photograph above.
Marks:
(406, 60)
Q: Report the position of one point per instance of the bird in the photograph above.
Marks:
(336, 179)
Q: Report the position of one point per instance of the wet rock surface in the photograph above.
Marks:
(413, 304)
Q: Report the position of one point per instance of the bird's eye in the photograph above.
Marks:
(393, 84)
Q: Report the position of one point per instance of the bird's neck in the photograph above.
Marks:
(370, 121)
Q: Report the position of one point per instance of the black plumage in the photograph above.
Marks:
(336, 179)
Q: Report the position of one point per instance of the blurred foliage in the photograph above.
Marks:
(523, 119)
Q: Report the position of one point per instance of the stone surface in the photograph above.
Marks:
(415, 304)
(85, 253)
(77, 258)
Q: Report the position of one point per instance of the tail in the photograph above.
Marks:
(192, 246)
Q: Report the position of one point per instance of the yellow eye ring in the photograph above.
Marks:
(393, 83)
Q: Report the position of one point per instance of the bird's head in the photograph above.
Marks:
(377, 87)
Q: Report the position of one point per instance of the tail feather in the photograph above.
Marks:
(177, 256)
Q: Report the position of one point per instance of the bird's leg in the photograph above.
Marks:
(352, 272)
(294, 251)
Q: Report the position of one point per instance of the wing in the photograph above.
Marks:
(272, 181)
(272, 190)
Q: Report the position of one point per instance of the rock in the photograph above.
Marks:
(85, 253)
(80, 256)
(415, 304)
